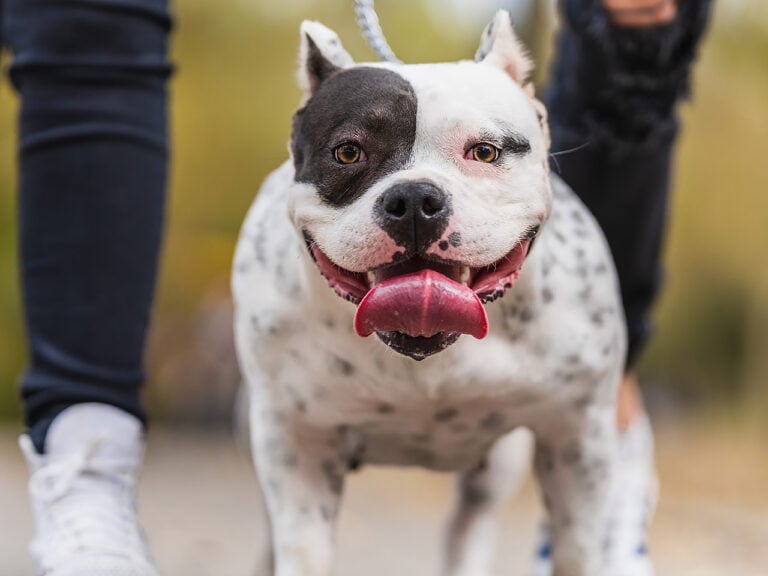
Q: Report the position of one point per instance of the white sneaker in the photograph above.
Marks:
(82, 491)
(633, 503)
(632, 506)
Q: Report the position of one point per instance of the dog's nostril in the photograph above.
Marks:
(431, 205)
(396, 207)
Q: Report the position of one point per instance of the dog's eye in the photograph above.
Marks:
(348, 153)
(484, 152)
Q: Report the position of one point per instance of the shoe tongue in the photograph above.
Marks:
(119, 433)
(422, 303)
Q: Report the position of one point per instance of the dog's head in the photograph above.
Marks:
(419, 188)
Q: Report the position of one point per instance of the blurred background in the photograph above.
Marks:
(233, 97)
(706, 371)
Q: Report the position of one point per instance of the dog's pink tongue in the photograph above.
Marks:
(421, 304)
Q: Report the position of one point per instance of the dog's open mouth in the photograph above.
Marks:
(417, 306)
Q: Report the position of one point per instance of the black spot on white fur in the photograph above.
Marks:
(341, 366)
(545, 460)
(446, 414)
(571, 455)
(474, 491)
(385, 408)
(375, 109)
(333, 477)
(455, 239)
(326, 514)
(493, 421)
(356, 458)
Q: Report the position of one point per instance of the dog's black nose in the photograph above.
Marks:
(414, 214)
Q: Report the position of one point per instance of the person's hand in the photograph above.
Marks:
(640, 13)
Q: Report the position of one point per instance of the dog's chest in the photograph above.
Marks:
(443, 413)
(437, 436)
(553, 338)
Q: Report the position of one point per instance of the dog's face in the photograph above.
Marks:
(419, 188)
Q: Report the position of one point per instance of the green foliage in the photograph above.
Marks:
(11, 344)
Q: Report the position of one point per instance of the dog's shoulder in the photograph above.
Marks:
(268, 207)
(265, 274)
(568, 296)
(577, 257)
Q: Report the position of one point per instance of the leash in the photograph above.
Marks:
(368, 21)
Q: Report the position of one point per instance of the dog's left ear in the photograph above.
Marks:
(500, 47)
(320, 56)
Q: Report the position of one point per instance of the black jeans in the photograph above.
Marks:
(611, 105)
(93, 156)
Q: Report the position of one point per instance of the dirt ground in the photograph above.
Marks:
(202, 513)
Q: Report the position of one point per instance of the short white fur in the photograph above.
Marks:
(322, 397)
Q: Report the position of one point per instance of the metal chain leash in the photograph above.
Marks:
(368, 21)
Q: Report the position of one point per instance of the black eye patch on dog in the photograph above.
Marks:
(370, 107)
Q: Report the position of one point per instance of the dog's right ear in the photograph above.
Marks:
(320, 56)
(500, 47)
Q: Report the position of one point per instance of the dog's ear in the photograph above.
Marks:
(321, 55)
(500, 46)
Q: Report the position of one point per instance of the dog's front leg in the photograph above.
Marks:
(483, 491)
(301, 471)
(574, 464)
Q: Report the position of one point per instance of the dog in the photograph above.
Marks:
(413, 287)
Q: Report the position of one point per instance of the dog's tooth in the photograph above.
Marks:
(371, 278)
(464, 275)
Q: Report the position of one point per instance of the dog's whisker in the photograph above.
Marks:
(569, 150)
(554, 155)
(557, 164)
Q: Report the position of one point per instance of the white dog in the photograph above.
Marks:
(418, 207)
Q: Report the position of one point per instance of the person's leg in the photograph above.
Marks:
(93, 158)
(620, 68)
(612, 111)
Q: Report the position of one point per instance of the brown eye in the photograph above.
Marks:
(484, 152)
(348, 153)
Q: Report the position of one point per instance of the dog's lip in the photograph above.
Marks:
(488, 282)
(418, 348)
(351, 286)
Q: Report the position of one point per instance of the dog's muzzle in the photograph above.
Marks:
(419, 306)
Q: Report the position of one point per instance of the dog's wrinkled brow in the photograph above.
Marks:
(507, 139)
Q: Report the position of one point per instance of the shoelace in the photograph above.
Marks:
(88, 506)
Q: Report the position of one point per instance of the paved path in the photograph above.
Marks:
(201, 511)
